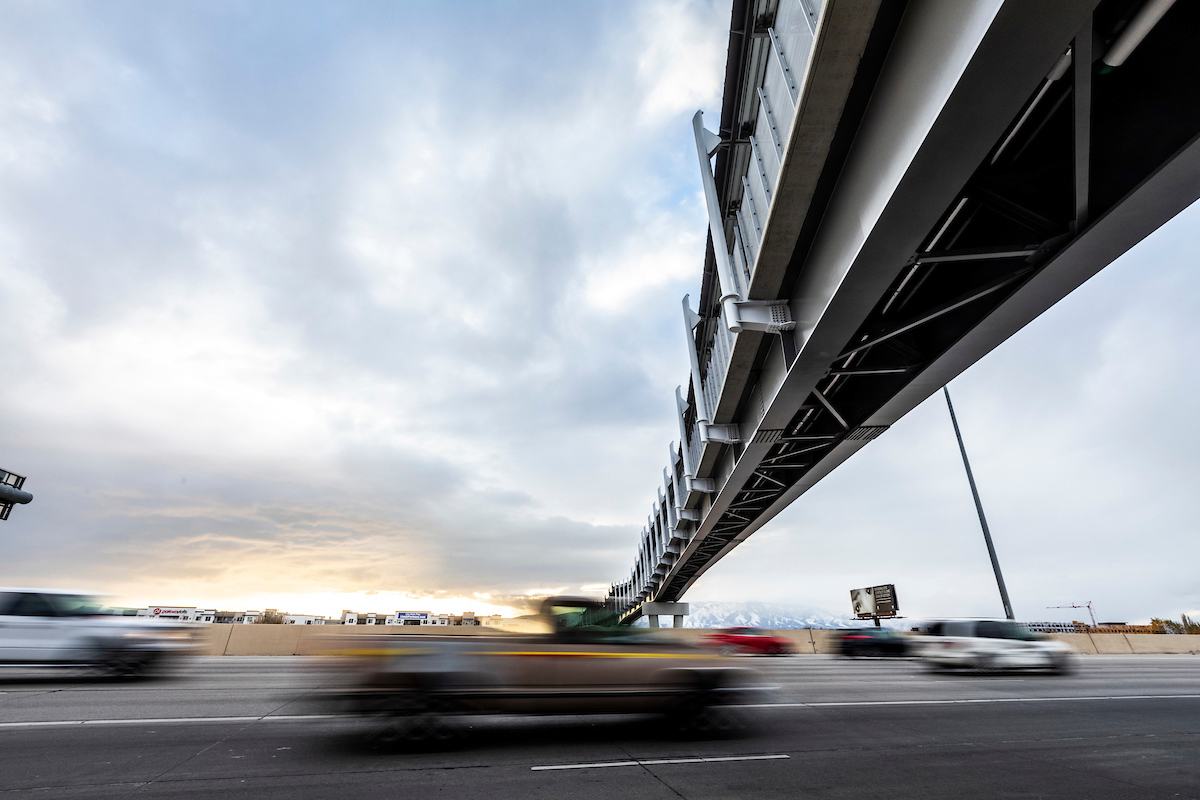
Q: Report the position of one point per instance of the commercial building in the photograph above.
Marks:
(1051, 627)
(1083, 627)
(237, 617)
(1120, 627)
(408, 618)
(178, 613)
(347, 617)
(418, 618)
(193, 614)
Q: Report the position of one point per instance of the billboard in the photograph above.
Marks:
(875, 601)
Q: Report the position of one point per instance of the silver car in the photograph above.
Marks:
(992, 645)
(48, 627)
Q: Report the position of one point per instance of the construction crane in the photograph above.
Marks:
(1087, 605)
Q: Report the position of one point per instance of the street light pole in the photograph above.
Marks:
(987, 535)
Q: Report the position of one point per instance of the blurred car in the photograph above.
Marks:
(749, 641)
(586, 663)
(873, 642)
(991, 645)
(47, 627)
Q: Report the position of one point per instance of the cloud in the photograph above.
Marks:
(681, 56)
(297, 310)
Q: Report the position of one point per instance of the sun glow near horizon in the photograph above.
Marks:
(329, 604)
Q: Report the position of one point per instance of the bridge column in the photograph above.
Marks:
(676, 610)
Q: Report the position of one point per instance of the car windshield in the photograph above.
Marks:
(74, 605)
(583, 616)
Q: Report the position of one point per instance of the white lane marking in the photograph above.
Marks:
(651, 762)
(974, 701)
(301, 717)
(164, 720)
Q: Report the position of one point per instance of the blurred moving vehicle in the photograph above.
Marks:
(873, 642)
(991, 645)
(587, 663)
(47, 627)
(749, 641)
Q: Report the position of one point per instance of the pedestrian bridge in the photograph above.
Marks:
(893, 189)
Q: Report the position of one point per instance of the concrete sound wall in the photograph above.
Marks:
(287, 640)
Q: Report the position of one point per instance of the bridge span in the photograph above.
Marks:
(894, 189)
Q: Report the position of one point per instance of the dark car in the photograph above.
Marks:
(749, 641)
(873, 642)
(586, 663)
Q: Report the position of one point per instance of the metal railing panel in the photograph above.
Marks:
(794, 33)
(767, 155)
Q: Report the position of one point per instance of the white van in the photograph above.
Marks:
(48, 627)
(990, 644)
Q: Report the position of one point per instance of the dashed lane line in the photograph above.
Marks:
(650, 762)
(835, 704)
(974, 701)
(164, 720)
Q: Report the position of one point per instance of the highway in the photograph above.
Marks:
(1119, 726)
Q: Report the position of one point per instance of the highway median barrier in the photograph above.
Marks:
(289, 640)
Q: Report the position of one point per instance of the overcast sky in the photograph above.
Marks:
(376, 306)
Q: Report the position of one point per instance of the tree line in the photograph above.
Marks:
(1185, 625)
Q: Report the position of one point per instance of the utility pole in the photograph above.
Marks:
(987, 535)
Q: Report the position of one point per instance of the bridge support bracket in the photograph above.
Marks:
(722, 434)
(652, 611)
(767, 316)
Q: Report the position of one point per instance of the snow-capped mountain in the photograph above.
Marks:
(706, 614)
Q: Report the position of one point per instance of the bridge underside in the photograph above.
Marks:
(993, 163)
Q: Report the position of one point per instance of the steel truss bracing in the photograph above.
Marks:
(1027, 182)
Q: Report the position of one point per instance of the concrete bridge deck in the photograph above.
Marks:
(894, 189)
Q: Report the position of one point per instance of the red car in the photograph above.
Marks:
(749, 641)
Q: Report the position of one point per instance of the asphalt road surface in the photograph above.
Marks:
(1119, 727)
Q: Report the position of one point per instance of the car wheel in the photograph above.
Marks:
(1058, 663)
(986, 663)
(415, 722)
(698, 715)
(123, 664)
(421, 728)
(729, 650)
